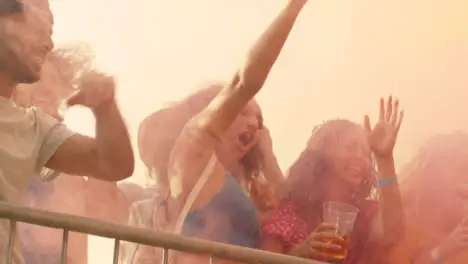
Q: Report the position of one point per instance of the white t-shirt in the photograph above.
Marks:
(28, 139)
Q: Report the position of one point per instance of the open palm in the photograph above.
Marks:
(383, 136)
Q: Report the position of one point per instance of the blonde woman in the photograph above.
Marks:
(222, 136)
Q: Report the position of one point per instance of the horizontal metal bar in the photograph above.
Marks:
(144, 236)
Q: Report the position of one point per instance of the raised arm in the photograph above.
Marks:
(249, 79)
(195, 145)
(389, 226)
(109, 156)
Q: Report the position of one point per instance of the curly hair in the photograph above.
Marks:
(159, 131)
(310, 172)
(58, 78)
(431, 179)
(71, 61)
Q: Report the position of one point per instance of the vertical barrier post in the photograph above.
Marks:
(165, 256)
(63, 259)
(116, 251)
(11, 242)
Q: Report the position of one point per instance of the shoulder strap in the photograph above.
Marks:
(194, 194)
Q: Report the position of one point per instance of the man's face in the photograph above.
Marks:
(47, 93)
(26, 39)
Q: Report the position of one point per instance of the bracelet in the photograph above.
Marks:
(385, 182)
(435, 256)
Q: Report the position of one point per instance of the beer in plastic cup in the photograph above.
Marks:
(343, 217)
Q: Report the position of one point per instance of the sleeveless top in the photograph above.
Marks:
(229, 217)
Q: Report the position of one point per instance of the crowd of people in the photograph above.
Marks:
(210, 160)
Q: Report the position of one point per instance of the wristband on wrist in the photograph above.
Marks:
(385, 182)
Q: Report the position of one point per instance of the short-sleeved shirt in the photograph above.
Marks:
(28, 139)
(66, 194)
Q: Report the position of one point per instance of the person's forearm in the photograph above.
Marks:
(266, 50)
(272, 172)
(391, 207)
(114, 148)
(249, 79)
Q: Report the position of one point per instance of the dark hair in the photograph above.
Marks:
(311, 171)
(9, 62)
(9, 7)
(307, 181)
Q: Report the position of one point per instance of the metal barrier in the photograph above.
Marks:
(119, 233)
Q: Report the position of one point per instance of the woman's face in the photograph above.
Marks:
(352, 157)
(244, 132)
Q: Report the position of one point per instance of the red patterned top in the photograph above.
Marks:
(288, 226)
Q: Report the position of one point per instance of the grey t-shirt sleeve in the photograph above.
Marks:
(53, 134)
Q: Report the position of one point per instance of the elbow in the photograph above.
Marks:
(117, 171)
(123, 174)
(123, 166)
(124, 170)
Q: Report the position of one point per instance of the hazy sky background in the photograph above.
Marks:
(341, 57)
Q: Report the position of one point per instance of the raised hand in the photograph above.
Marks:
(265, 142)
(264, 195)
(383, 135)
(265, 198)
(95, 90)
(262, 191)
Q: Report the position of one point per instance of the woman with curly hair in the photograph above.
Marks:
(337, 166)
(436, 201)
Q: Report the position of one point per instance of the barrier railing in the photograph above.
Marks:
(164, 240)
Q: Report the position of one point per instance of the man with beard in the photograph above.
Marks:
(30, 140)
(68, 194)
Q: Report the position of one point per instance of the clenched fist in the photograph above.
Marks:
(95, 90)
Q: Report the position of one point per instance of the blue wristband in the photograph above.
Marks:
(385, 182)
